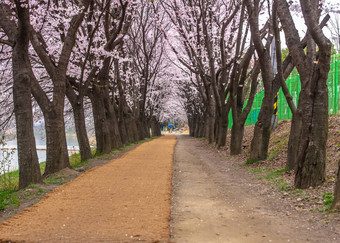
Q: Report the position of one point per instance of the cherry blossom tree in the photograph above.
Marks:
(18, 38)
(145, 47)
(204, 32)
(311, 117)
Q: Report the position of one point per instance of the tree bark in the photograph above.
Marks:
(293, 142)
(29, 170)
(237, 133)
(222, 126)
(310, 152)
(262, 130)
(116, 141)
(56, 146)
(336, 201)
(81, 131)
(155, 127)
(77, 104)
(56, 152)
(101, 124)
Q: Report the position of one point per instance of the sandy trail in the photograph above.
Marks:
(128, 199)
(216, 202)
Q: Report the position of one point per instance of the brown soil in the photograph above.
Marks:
(33, 194)
(215, 197)
(127, 199)
(218, 198)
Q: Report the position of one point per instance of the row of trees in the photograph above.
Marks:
(132, 63)
(104, 57)
(225, 46)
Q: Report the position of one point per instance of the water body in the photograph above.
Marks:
(40, 140)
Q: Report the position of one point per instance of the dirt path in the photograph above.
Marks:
(126, 200)
(215, 201)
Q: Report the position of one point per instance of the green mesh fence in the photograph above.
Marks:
(294, 87)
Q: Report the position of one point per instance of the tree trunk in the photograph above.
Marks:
(313, 102)
(133, 129)
(201, 127)
(198, 127)
(116, 141)
(29, 170)
(83, 140)
(237, 133)
(260, 141)
(101, 126)
(77, 103)
(336, 202)
(123, 131)
(222, 129)
(56, 146)
(155, 127)
(262, 130)
(210, 128)
(192, 123)
(311, 155)
(293, 143)
(142, 129)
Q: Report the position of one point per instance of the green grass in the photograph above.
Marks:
(54, 180)
(252, 161)
(9, 181)
(277, 148)
(298, 192)
(8, 198)
(273, 178)
(328, 199)
(79, 164)
(281, 184)
(258, 171)
(201, 138)
(76, 162)
(273, 174)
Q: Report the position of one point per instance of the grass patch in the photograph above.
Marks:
(201, 138)
(277, 148)
(54, 179)
(9, 181)
(298, 192)
(273, 174)
(274, 180)
(252, 161)
(258, 171)
(328, 199)
(79, 164)
(75, 159)
(76, 162)
(140, 141)
(281, 184)
(8, 198)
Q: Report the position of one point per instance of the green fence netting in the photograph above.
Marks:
(294, 87)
